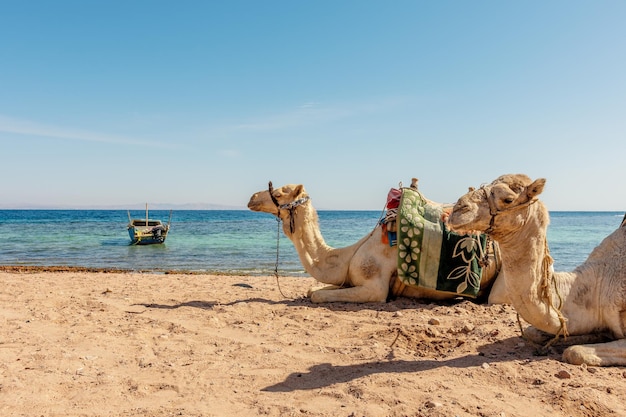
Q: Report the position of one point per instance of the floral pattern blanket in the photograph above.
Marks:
(431, 256)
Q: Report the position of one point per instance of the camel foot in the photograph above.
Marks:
(599, 354)
(577, 355)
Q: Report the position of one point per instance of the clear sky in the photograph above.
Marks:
(112, 103)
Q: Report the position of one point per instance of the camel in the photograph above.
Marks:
(590, 300)
(363, 272)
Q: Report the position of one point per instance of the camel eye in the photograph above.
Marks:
(508, 200)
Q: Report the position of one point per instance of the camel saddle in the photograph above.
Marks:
(430, 255)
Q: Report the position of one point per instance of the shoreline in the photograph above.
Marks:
(64, 268)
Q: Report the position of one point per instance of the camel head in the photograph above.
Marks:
(283, 196)
(496, 209)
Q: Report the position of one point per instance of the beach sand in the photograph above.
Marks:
(84, 343)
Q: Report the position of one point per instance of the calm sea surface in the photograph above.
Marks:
(225, 241)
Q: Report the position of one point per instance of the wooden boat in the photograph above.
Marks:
(147, 231)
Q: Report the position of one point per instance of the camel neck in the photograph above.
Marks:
(321, 261)
(527, 269)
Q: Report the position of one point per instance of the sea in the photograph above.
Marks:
(237, 242)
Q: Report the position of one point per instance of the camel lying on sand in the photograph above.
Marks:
(589, 300)
(363, 272)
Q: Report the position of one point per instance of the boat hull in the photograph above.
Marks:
(152, 236)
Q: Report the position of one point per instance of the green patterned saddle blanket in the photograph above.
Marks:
(431, 256)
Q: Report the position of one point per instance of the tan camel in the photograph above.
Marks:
(363, 272)
(589, 300)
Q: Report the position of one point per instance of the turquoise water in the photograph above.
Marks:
(573, 235)
(225, 241)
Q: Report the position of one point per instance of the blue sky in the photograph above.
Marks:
(113, 103)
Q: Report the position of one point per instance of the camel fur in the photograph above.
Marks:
(589, 300)
(363, 272)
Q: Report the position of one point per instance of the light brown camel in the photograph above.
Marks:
(363, 272)
(589, 300)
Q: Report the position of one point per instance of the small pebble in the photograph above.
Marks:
(468, 328)
(563, 375)
(432, 404)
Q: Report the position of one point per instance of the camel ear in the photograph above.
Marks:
(298, 190)
(535, 188)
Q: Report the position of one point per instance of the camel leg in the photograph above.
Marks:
(539, 337)
(600, 354)
(498, 293)
(359, 294)
(323, 287)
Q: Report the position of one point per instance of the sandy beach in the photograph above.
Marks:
(84, 343)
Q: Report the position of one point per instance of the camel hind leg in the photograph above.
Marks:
(600, 354)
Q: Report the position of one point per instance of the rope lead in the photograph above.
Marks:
(277, 251)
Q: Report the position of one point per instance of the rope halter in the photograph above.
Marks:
(291, 207)
(493, 210)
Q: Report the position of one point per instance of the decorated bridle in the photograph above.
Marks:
(291, 207)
